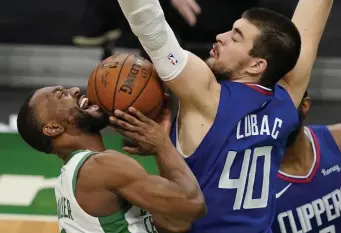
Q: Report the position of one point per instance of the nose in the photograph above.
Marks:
(223, 37)
(219, 38)
(75, 91)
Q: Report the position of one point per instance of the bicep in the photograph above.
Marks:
(297, 80)
(196, 85)
(124, 176)
(157, 195)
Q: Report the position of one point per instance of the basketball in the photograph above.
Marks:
(126, 80)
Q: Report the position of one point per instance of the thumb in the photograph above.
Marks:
(132, 150)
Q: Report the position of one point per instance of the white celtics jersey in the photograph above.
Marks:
(71, 217)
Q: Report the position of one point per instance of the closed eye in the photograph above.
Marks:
(60, 94)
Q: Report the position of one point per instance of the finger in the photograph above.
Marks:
(125, 133)
(140, 115)
(132, 150)
(129, 143)
(123, 124)
(195, 6)
(132, 135)
(188, 15)
(127, 117)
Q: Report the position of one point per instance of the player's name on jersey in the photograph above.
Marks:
(318, 212)
(254, 125)
(64, 208)
(148, 221)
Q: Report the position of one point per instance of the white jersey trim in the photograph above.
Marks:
(260, 86)
(311, 139)
(177, 142)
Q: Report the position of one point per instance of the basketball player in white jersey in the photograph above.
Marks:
(101, 191)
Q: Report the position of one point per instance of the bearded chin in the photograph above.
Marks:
(90, 124)
(219, 72)
(225, 75)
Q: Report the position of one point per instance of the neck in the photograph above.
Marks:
(299, 158)
(80, 142)
(247, 79)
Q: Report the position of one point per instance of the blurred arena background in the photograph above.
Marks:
(45, 43)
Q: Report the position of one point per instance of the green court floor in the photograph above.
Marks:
(27, 176)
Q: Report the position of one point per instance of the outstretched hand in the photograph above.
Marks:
(189, 10)
(150, 137)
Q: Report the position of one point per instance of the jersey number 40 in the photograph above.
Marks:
(249, 175)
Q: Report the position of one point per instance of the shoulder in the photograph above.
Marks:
(110, 156)
(336, 128)
(108, 167)
(282, 99)
(327, 134)
(282, 93)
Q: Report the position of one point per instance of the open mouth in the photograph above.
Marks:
(85, 104)
(213, 52)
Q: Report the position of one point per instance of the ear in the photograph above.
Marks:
(53, 129)
(257, 66)
(305, 105)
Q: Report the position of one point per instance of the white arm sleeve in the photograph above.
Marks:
(148, 23)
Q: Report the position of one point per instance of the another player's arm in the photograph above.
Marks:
(310, 18)
(189, 78)
(336, 132)
(179, 197)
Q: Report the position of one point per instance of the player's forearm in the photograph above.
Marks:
(174, 168)
(161, 171)
(310, 18)
(148, 23)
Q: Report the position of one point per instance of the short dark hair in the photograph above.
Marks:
(279, 43)
(30, 127)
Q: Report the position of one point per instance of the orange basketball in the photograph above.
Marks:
(126, 80)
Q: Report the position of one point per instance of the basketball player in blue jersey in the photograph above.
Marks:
(233, 132)
(309, 181)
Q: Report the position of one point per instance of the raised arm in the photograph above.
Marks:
(180, 198)
(189, 78)
(310, 18)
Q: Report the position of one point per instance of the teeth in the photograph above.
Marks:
(84, 102)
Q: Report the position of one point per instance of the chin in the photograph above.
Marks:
(92, 124)
(210, 62)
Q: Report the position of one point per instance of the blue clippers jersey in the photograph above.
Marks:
(312, 203)
(238, 159)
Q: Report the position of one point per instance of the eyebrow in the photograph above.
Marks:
(57, 89)
(237, 30)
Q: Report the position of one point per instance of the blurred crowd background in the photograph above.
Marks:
(59, 42)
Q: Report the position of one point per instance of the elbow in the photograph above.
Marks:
(199, 207)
